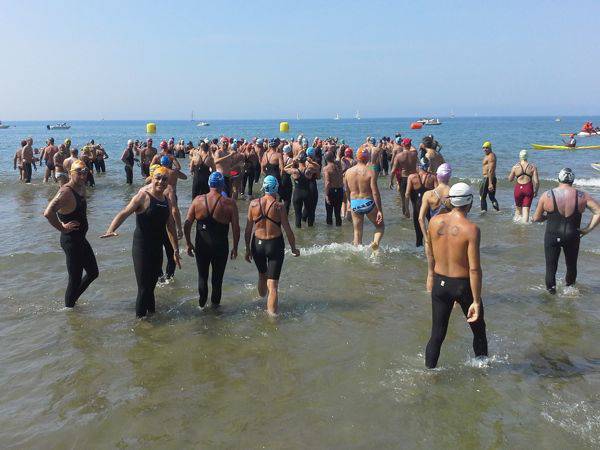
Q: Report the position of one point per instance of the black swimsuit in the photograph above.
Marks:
(268, 254)
(200, 180)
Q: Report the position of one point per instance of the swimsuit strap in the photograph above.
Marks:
(214, 207)
(554, 200)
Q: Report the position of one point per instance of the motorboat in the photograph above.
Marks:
(429, 121)
(582, 134)
(357, 115)
(3, 126)
(203, 124)
(58, 126)
(557, 119)
(337, 117)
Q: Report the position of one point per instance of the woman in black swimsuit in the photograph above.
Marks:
(201, 165)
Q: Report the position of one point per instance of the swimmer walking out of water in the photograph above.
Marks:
(488, 184)
(453, 258)
(360, 182)
(67, 212)
(563, 207)
(264, 240)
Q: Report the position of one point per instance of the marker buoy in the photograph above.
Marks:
(150, 128)
(284, 127)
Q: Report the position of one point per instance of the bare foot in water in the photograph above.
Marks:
(374, 246)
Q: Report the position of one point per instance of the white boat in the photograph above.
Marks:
(557, 119)
(297, 116)
(58, 126)
(357, 115)
(429, 121)
(3, 126)
(203, 124)
(337, 116)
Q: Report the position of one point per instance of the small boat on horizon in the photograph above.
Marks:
(203, 124)
(429, 121)
(3, 126)
(337, 116)
(557, 119)
(357, 115)
(58, 126)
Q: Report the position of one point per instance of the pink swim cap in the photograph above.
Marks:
(444, 172)
(406, 142)
(163, 144)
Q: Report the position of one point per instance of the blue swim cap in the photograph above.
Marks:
(260, 141)
(166, 161)
(310, 152)
(216, 180)
(270, 185)
(372, 140)
(234, 146)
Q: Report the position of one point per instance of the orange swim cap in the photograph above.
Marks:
(363, 155)
(160, 170)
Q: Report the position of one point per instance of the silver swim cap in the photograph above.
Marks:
(461, 194)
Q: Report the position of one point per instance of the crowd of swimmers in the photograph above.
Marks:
(225, 170)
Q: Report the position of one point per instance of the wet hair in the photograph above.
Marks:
(23, 143)
(329, 157)
(204, 146)
(51, 140)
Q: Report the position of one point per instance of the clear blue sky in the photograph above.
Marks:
(262, 59)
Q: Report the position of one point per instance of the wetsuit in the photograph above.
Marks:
(100, 165)
(416, 197)
(285, 190)
(336, 198)
(212, 249)
(249, 175)
(385, 164)
(523, 193)
(301, 198)
(171, 264)
(445, 292)
(90, 176)
(200, 180)
(562, 233)
(484, 192)
(268, 254)
(129, 158)
(313, 193)
(147, 252)
(78, 251)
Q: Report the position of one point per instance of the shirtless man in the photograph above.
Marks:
(70, 160)
(47, 155)
(237, 168)
(146, 156)
(488, 184)
(403, 165)
(99, 157)
(435, 159)
(376, 155)
(361, 184)
(333, 180)
(18, 159)
(224, 160)
(454, 264)
(28, 160)
(60, 172)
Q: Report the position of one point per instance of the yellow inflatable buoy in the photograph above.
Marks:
(150, 128)
(284, 127)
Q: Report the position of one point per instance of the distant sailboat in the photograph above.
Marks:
(192, 119)
(357, 115)
(557, 119)
(337, 116)
(297, 116)
(452, 114)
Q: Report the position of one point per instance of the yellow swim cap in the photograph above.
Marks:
(153, 167)
(487, 144)
(160, 170)
(78, 165)
(67, 141)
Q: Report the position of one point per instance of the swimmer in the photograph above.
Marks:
(147, 154)
(301, 171)
(224, 161)
(251, 162)
(128, 159)
(59, 170)
(435, 202)
(48, 156)
(453, 258)
(71, 159)
(309, 213)
(18, 159)
(360, 183)
(526, 186)
(99, 156)
(264, 241)
(563, 208)
(213, 214)
(333, 181)
(28, 160)
(238, 160)
(272, 160)
(417, 185)
(67, 212)
(403, 165)
(488, 184)
(287, 185)
(376, 155)
(201, 164)
(153, 214)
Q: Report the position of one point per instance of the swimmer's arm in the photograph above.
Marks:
(593, 206)
(235, 226)
(429, 254)
(423, 213)
(475, 265)
(16, 158)
(511, 175)
(539, 216)
(180, 174)
(409, 188)
(135, 204)
(291, 237)
(218, 160)
(491, 170)
(536, 181)
(124, 157)
(187, 226)
(52, 209)
(376, 195)
(175, 213)
(326, 184)
(173, 234)
(281, 165)
(249, 227)
(177, 165)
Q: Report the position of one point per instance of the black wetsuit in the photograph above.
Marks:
(147, 252)
(200, 180)
(129, 158)
(27, 171)
(273, 169)
(562, 233)
(212, 249)
(249, 175)
(78, 251)
(484, 192)
(100, 165)
(445, 292)
(268, 254)
(302, 199)
(416, 198)
(313, 193)
(90, 176)
(336, 198)
(285, 190)
(385, 162)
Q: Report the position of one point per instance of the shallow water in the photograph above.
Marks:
(342, 366)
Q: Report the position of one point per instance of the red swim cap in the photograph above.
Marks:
(348, 152)
(406, 142)
(163, 144)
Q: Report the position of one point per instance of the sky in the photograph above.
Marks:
(259, 59)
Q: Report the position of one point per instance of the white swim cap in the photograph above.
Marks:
(523, 155)
(461, 194)
(130, 142)
(566, 176)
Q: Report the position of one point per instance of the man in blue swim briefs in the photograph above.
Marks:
(361, 183)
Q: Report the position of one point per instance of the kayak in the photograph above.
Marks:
(564, 147)
(596, 166)
(581, 134)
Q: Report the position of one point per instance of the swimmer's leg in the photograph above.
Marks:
(525, 214)
(357, 224)
(262, 284)
(571, 250)
(273, 299)
(441, 308)
(219, 262)
(202, 263)
(379, 228)
(552, 253)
